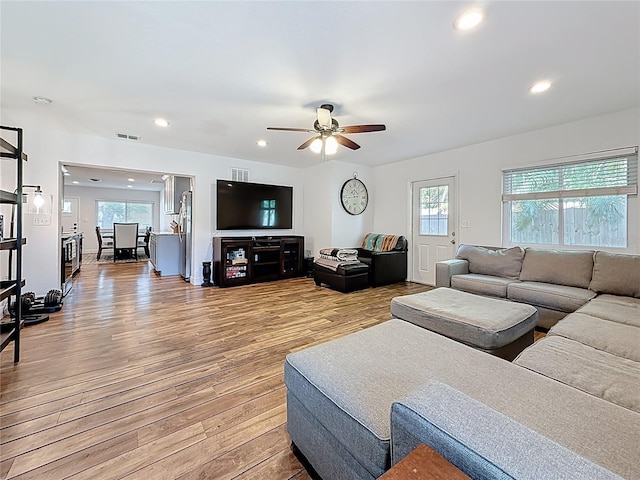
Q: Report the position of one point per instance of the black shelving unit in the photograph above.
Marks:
(292, 259)
(266, 260)
(233, 263)
(12, 287)
(245, 260)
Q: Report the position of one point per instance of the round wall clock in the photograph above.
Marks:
(354, 196)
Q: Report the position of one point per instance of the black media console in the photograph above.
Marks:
(244, 260)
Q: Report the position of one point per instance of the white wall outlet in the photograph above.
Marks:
(42, 220)
(465, 224)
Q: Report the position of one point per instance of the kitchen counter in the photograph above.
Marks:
(164, 249)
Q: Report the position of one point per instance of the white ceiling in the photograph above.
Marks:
(83, 176)
(221, 72)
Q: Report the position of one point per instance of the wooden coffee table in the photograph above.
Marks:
(424, 463)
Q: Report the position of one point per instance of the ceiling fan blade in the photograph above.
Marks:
(286, 129)
(307, 143)
(324, 117)
(363, 128)
(345, 142)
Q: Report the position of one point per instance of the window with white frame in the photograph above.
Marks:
(580, 203)
(109, 212)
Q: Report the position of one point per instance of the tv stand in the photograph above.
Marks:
(245, 260)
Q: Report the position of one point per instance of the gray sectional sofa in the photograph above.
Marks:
(567, 407)
(556, 282)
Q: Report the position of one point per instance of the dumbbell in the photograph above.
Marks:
(53, 298)
(26, 302)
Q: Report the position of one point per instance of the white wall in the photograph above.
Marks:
(327, 224)
(479, 170)
(87, 208)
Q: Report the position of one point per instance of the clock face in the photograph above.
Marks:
(354, 196)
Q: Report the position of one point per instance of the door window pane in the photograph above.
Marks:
(434, 210)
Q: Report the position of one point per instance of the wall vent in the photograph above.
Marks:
(126, 136)
(239, 174)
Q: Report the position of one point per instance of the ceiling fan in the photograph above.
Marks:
(328, 132)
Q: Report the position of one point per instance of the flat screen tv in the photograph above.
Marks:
(253, 206)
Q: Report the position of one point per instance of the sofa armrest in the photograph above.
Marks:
(480, 441)
(447, 268)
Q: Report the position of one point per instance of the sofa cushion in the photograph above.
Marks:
(555, 297)
(439, 416)
(349, 384)
(616, 274)
(612, 378)
(615, 309)
(612, 337)
(503, 262)
(481, 284)
(561, 267)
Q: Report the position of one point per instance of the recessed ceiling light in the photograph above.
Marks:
(42, 100)
(129, 186)
(469, 19)
(262, 143)
(540, 87)
(75, 182)
(131, 180)
(161, 122)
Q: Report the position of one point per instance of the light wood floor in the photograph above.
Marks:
(150, 378)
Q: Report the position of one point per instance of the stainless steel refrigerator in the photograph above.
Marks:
(184, 234)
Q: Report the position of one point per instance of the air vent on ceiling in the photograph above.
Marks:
(127, 136)
(95, 179)
(239, 174)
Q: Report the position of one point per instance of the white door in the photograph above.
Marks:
(70, 215)
(433, 226)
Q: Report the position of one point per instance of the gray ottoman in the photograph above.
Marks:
(499, 327)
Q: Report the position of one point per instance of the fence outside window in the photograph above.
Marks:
(109, 212)
(581, 203)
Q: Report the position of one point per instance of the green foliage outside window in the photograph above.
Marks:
(110, 212)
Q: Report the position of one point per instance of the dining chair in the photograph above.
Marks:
(125, 239)
(143, 242)
(103, 243)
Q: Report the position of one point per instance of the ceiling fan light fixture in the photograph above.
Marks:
(324, 117)
(316, 145)
(540, 87)
(468, 20)
(330, 146)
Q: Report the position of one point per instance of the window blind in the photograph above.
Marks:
(609, 175)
